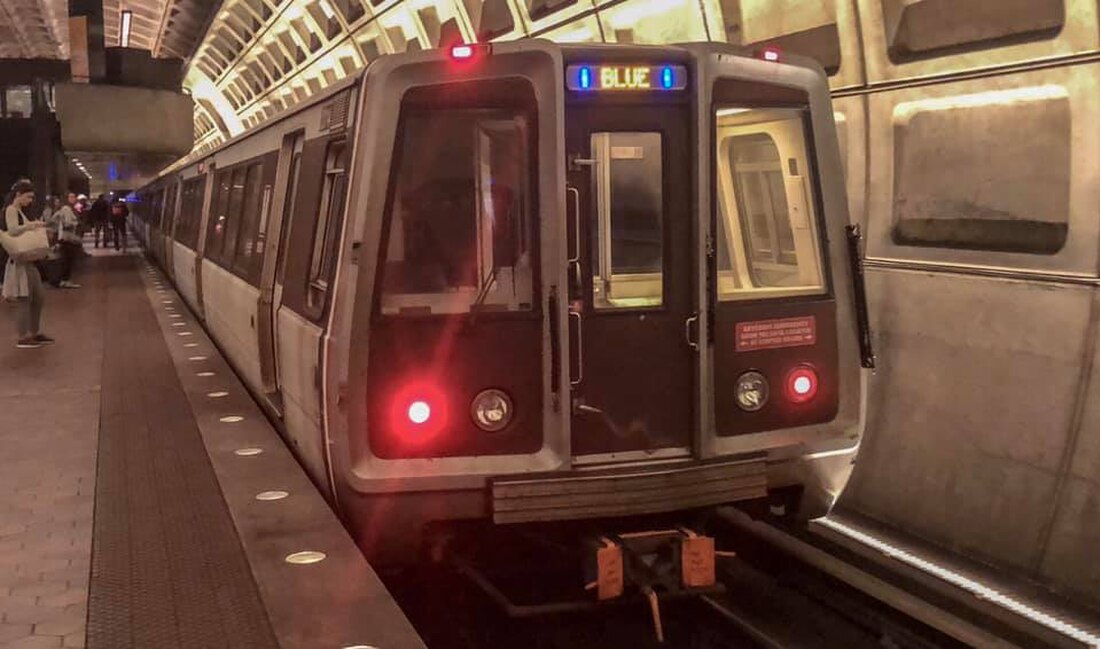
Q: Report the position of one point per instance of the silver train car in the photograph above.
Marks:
(529, 282)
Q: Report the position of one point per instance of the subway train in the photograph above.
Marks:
(525, 282)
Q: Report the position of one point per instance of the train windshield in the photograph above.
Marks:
(460, 220)
(767, 231)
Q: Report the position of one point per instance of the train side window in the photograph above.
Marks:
(330, 211)
(459, 224)
(194, 197)
(767, 236)
(233, 217)
(166, 212)
(627, 260)
(218, 219)
(181, 218)
(158, 209)
(249, 253)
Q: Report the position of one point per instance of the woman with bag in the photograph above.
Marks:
(22, 283)
(69, 244)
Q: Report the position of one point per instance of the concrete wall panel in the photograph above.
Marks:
(905, 39)
(1069, 558)
(985, 168)
(970, 409)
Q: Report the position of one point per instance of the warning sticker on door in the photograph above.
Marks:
(776, 334)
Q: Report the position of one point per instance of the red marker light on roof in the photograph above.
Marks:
(770, 54)
(468, 52)
(801, 384)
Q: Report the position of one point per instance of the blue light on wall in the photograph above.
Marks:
(112, 171)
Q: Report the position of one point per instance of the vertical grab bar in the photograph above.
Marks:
(574, 259)
(580, 351)
(555, 343)
(576, 195)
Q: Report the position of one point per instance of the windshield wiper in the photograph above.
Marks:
(482, 294)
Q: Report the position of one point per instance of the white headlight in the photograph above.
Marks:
(752, 391)
(491, 410)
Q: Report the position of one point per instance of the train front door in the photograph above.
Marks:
(631, 277)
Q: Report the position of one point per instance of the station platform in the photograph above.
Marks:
(145, 501)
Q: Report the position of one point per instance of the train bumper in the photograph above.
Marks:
(822, 477)
(626, 491)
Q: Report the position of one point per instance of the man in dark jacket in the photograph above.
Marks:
(119, 212)
(97, 217)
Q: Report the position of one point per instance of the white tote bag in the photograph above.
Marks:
(31, 245)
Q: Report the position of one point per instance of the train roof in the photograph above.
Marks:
(680, 52)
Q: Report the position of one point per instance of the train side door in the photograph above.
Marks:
(271, 281)
(209, 187)
(631, 277)
(170, 227)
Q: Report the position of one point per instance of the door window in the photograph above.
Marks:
(288, 204)
(249, 240)
(767, 232)
(330, 212)
(627, 252)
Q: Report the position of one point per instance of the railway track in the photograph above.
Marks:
(775, 589)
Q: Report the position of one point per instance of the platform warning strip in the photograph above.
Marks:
(167, 567)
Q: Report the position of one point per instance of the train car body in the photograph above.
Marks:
(529, 282)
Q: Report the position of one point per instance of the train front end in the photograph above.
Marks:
(591, 282)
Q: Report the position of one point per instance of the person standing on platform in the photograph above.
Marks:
(81, 209)
(119, 213)
(98, 217)
(52, 203)
(69, 243)
(22, 283)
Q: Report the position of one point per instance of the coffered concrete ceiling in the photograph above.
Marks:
(168, 28)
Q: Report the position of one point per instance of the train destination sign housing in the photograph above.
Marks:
(625, 77)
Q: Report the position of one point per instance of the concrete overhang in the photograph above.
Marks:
(124, 120)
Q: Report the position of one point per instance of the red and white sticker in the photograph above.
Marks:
(776, 334)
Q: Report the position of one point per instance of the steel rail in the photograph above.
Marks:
(894, 597)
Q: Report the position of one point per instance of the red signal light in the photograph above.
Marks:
(770, 54)
(468, 52)
(802, 384)
(418, 413)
